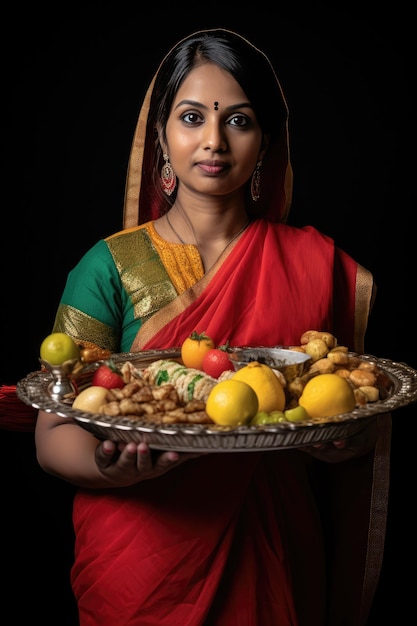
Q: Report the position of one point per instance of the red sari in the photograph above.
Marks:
(234, 538)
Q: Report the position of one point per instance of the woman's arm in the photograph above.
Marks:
(66, 450)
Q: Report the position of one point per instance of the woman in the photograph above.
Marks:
(266, 538)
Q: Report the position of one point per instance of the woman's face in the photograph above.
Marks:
(213, 137)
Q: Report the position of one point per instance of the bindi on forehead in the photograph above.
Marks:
(216, 106)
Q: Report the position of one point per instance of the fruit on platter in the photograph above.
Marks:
(296, 414)
(268, 388)
(57, 348)
(109, 376)
(90, 399)
(327, 395)
(206, 390)
(194, 348)
(216, 361)
(232, 403)
(263, 417)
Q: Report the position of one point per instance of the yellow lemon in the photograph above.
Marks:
(231, 403)
(326, 395)
(90, 399)
(270, 392)
(57, 348)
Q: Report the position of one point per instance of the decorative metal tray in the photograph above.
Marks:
(399, 389)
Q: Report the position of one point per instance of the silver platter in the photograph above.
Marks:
(399, 389)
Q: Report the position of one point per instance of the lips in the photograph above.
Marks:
(213, 168)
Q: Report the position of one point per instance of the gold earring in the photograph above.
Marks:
(255, 186)
(168, 178)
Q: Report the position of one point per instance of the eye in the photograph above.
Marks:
(239, 120)
(191, 117)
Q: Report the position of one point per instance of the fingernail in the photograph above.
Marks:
(143, 448)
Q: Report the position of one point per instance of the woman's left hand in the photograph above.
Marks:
(345, 449)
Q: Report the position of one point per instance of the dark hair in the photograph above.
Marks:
(248, 65)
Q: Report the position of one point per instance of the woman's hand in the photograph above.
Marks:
(127, 464)
(70, 452)
(345, 449)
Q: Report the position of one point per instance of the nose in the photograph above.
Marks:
(214, 136)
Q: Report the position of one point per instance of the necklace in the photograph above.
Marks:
(174, 231)
(244, 227)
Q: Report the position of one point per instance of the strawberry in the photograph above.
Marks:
(216, 361)
(107, 375)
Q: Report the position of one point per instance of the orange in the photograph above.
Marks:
(326, 395)
(194, 349)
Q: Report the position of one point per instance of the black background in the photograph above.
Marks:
(72, 86)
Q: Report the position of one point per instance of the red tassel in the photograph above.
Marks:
(14, 413)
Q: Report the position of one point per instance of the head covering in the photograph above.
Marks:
(277, 179)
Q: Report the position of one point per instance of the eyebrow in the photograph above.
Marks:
(232, 107)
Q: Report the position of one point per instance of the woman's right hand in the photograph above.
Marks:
(72, 453)
(126, 464)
